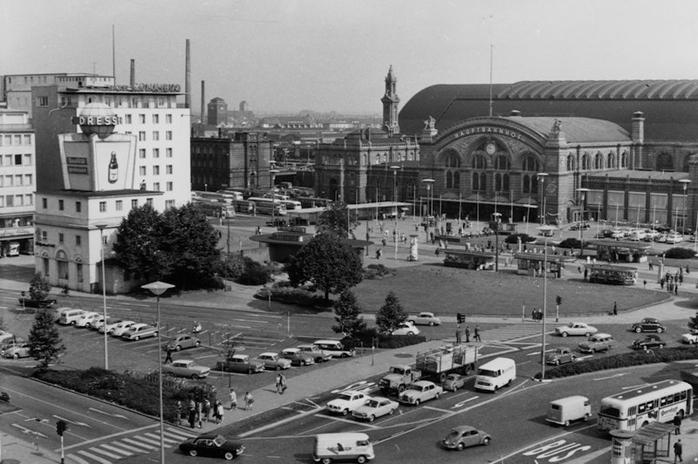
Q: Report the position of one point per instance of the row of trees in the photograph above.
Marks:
(348, 314)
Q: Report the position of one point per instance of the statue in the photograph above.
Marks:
(430, 126)
(556, 127)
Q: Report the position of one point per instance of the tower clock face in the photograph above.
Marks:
(490, 148)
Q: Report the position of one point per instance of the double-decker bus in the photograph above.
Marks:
(655, 402)
(270, 206)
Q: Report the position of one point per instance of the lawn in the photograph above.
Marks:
(445, 290)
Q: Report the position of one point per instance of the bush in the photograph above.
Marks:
(367, 336)
(570, 243)
(291, 295)
(680, 253)
(254, 273)
(232, 266)
(513, 238)
(377, 271)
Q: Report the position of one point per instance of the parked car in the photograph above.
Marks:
(576, 328)
(30, 303)
(10, 343)
(454, 381)
(138, 331)
(464, 436)
(6, 337)
(120, 328)
(182, 342)
(70, 316)
(97, 322)
(375, 407)
(561, 355)
(87, 318)
(597, 342)
(317, 354)
(212, 445)
(691, 338)
(274, 361)
(650, 341)
(420, 391)
(297, 357)
(674, 238)
(648, 324)
(17, 351)
(100, 326)
(60, 311)
(405, 328)
(186, 368)
(240, 363)
(424, 318)
(335, 348)
(346, 402)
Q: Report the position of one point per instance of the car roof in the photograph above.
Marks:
(650, 319)
(327, 341)
(268, 353)
(138, 324)
(601, 334)
(422, 382)
(183, 361)
(352, 392)
(463, 428)
(291, 350)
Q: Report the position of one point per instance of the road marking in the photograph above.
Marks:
(113, 435)
(117, 450)
(138, 443)
(106, 453)
(151, 441)
(82, 424)
(78, 460)
(157, 437)
(107, 413)
(208, 356)
(28, 431)
(437, 409)
(133, 448)
(178, 434)
(348, 421)
(94, 457)
(502, 459)
(609, 377)
(461, 403)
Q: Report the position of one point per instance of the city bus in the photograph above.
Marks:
(655, 402)
(268, 206)
(222, 197)
(215, 208)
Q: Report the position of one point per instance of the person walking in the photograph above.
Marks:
(219, 412)
(678, 451)
(248, 400)
(192, 417)
(199, 413)
(615, 308)
(278, 383)
(168, 354)
(233, 399)
(283, 383)
(476, 334)
(467, 334)
(179, 412)
(677, 424)
(206, 410)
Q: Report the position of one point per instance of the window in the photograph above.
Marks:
(141, 136)
(18, 139)
(168, 169)
(479, 162)
(28, 199)
(102, 206)
(18, 179)
(46, 268)
(141, 170)
(168, 152)
(8, 181)
(598, 161)
(128, 119)
(530, 163)
(156, 170)
(60, 237)
(570, 163)
(168, 135)
(169, 204)
(44, 203)
(44, 235)
(119, 205)
(43, 101)
(78, 207)
(141, 153)
(27, 159)
(156, 186)
(156, 153)
(79, 272)
(18, 160)
(8, 160)
(134, 203)
(141, 118)
(168, 118)
(149, 201)
(169, 186)
(78, 240)
(156, 119)
(27, 179)
(27, 139)
(60, 205)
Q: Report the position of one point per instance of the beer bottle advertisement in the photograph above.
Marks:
(113, 175)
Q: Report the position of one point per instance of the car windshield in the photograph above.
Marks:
(218, 441)
(453, 435)
(344, 396)
(373, 404)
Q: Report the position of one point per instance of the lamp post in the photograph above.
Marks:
(685, 183)
(428, 183)
(395, 236)
(583, 192)
(272, 176)
(158, 288)
(545, 230)
(541, 176)
(104, 294)
(496, 220)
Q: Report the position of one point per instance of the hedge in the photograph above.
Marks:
(291, 295)
(367, 337)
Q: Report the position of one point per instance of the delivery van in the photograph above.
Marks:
(495, 374)
(335, 348)
(70, 317)
(338, 447)
(569, 409)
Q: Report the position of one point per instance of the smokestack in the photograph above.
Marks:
(203, 99)
(132, 79)
(187, 79)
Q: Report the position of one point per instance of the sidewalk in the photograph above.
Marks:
(18, 451)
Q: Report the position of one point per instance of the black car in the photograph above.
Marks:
(29, 303)
(650, 341)
(648, 324)
(212, 445)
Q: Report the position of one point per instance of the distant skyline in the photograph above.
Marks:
(285, 56)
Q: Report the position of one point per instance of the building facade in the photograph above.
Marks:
(217, 112)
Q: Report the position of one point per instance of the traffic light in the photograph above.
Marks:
(460, 317)
(558, 300)
(61, 427)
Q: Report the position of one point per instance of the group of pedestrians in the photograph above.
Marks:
(247, 399)
(199, 412)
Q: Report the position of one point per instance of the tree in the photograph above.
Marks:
(327, 262)
(336, 219)
(391, 314)
(693, 322)
(137, 246)
(45, 343)
(347, 312)
(39, 287)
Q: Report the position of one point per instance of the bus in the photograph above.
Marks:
(611, 274)
(267, 206)
(292, 205)
(655, 402)
(215, 208)
(222, 197)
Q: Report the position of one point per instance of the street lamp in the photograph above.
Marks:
(583, 192)
(685, 183)
(428, 183)
(496, 220)
(272, 176)
(546, 231)
(395, 236)
(104, 293)
(158, 288)
(541, 176)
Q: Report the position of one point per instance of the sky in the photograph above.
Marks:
(284, 56)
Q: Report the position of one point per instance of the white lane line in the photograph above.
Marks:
(609, 377)
(106, 413)
(117, 450)
(177, 436)
(437, 409)
(138, 443)
(75, 459)
(106, 453)
(348, 421)
(133, 448)
(94, 457)
(208, 356)
(151, 441)
(152, 426)
(157, 437)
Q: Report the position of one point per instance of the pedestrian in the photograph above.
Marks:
(678, 451)
(219, 412)
(199, 413)
(661, 283)
(677, 424)
(233, 399)
(676, 289)
(192, 417)
(477, 334)
(644, 284)
(206, 410)
(615, 308)
(179, 412)
(278, 383)
(168, 354)
(467, 334)
(283, 383)
(248, 400)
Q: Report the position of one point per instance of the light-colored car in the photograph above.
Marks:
(420, 391)
(138, 331)
(240, 363)
(120, 328)
(17, 351)
(576, 328)
(297, 357)
(464, 436)
(111, 322)
(6, 336)
(184, 341)
(454, 381)
(317, 354)
(561, 355)
(346, 402)
(97, 322)
(406, 328)
(597, 342)
(335, 348)
(274, 361)
(691, 338)
(375, 407)
(674, 238)
(87, 318)
(424, 318)
(186, 368)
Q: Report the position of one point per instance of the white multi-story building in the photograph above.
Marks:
(17, 183)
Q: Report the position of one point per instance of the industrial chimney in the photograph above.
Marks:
(132, 78)
(187, 78)
(203, 106)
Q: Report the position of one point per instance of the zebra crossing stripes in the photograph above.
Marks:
(114, 450)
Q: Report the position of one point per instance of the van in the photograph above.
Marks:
(495, 374)
(335, 348)
(331, 447)
(70, 317)
(568, 409)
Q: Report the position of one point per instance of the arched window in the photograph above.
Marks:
(456, 179)
(586, 162)
(526, 184)
(598, 161)
(483, 181)
(449, 180)
(501, 163)
(505, 183)
(452, 164)
(611, 161)
(497, 182)
(453, 160)
(624, 159)
(62, 262)
(476, 181)
(570, 162)
(534, 184)
(530, 163)
(479, 162)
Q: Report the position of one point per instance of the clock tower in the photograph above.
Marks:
(390, 102)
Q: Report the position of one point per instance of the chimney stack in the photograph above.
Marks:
(203, 99)
(187, 78)
(132, 78)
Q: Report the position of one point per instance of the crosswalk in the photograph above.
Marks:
(126, 446)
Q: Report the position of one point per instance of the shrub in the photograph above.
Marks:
(513, 238)
(377, 271)
(292, 295)
(570, 243)
(254, 273)
(367, 336)
(680, 253)
(232, 267)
